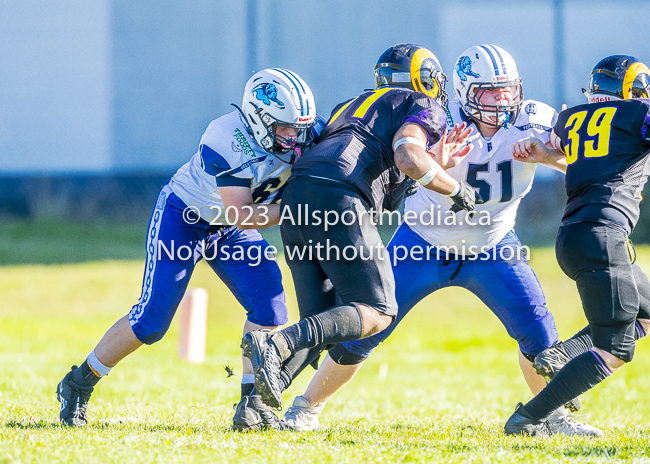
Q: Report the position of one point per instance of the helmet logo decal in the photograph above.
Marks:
(401, 77)
(267, 93)
(464, 68)
(600, 98)
(531, 108)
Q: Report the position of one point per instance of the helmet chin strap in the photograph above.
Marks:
(244, 120)
(291, 161)
(270, 152)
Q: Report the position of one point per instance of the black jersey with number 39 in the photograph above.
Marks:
(607, 146)
(355, 146)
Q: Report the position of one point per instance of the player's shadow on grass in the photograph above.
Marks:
(40, 425)
(43, 425)
(132, 427)
(590, 448)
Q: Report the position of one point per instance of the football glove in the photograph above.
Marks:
(394, 197)
(465, 199)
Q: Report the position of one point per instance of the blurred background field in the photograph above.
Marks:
(438, 390)
(101, 102)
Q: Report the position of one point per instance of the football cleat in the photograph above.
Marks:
(566, 425)
(549, 362)
(74, 401)
(521, 424)
(252, 414)
(266, 365)
(301, 416)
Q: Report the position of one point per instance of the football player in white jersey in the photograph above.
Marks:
(210, 209)
(479, 251)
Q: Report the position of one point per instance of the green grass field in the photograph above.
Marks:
(439, 390)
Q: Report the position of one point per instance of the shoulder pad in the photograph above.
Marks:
(318, 126)
(536, 115)
(227, 135)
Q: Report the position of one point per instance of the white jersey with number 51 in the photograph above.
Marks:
(490, 168)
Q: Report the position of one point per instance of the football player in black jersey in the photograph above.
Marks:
(607, 147)
(370, 148)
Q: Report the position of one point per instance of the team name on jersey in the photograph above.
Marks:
(243, 144)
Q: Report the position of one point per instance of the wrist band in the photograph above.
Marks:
(412, 140)
(430, 174)
(456, 190)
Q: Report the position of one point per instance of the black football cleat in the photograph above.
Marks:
(266, 366)
(521, 424)
(252, 414)
(74, 401)
(549, 362)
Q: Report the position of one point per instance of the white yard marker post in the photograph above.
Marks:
(194, 321)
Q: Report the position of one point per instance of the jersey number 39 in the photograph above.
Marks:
(593, 139)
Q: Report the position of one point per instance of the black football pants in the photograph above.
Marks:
(614, 291)
(346, 263)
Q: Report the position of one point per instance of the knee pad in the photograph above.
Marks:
(148, 334)
(154, 337)
(617, 340)
(343, 357)
(535, 337)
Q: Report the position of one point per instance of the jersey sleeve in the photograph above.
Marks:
(217, 165)
(645, 126)
(537, 119)
(560, 129)
(317, 128)
(431, 116)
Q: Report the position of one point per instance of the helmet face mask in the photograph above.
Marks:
(487, 68)
(495, 115)
(276, 98)
(640, 87)
(412, 67)
(434, 81)
(299, 137)
(618, 77)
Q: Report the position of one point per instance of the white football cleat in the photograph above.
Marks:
(301, 416)
(567, 425)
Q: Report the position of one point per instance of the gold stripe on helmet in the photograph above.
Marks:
(632, 72)
(419, 56)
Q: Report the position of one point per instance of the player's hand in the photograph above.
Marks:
(394, 197)
(465, 199)
(530, 150)
(449, 150)
(409, 187)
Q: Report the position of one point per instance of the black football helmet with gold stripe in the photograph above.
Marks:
(620, 77)
(413, 67)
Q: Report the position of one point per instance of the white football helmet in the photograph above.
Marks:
(486, 67)
(276, 98)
